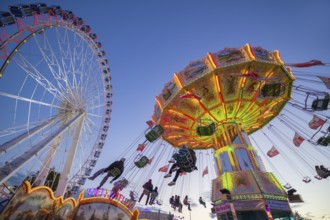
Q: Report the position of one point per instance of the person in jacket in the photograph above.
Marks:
(153, 195)
(113, 170)
(201, 201)
(186, 202)
(147, 189)
(189, 165)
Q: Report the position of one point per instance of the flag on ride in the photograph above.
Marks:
(141, 147)
(307, 64)
(206, 171)
(325, 80)
(297, 139)
(150, 123)
(150, 160)
(316, 122)
(272, 152)
(190, 95)
(164, 168)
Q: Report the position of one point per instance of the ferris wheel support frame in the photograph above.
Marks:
(64, 177)
(11, 168)
(42, 175)
(28, 134)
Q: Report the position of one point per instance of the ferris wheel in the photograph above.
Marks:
(55, 97)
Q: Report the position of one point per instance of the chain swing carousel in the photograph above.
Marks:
(216, 103)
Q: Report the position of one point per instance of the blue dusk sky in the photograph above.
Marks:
(147, 41)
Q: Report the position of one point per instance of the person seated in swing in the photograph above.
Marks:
(115, 170)
(147, 189)
(201, 201)
(117, 187)
(188, 166)
(322, 171)
(178, 203)
(154, 194)
(186, 202)
(132, 196)
(172, 202)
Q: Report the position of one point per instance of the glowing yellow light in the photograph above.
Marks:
(177, 81)
(276, 54)
(249, 52)
(174, 126)
(159, 103)
(210, 56)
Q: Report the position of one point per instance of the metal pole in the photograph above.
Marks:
(64, 177)
(4, 148)
(42, 176)
(10, 168)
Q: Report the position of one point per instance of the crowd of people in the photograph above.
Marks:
(183, 161)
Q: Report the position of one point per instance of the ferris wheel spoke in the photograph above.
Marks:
(88, 127)
(88, 80)
(54, 66)
(95, 107)
(68, 64)
(94, 115)
(28, 100)
(38, 77)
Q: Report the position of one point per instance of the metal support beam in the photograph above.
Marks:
(64, 178)
(43, 173)
(10, 168)
(4, 148)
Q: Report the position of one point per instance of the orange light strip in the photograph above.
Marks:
(276, 54)
(177, 81)
(175, 126)
(221, 97)
(179, 113)
(212, 61)
(238, 106)
(249, 52)
(159, 103)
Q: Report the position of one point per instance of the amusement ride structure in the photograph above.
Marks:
(58, 99)
(56, 86)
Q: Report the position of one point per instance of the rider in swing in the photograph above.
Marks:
(115, 170)
(184, 161)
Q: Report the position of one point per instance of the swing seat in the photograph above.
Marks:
(206, 130)
(142, 162)
(124, 182)
(318, 177)
(295, 198)
(184, 160)
(307, 179)
(272, 90)
(154, 133)
(287, 186)
(324, 141)
(320, 104)
(114, 172)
